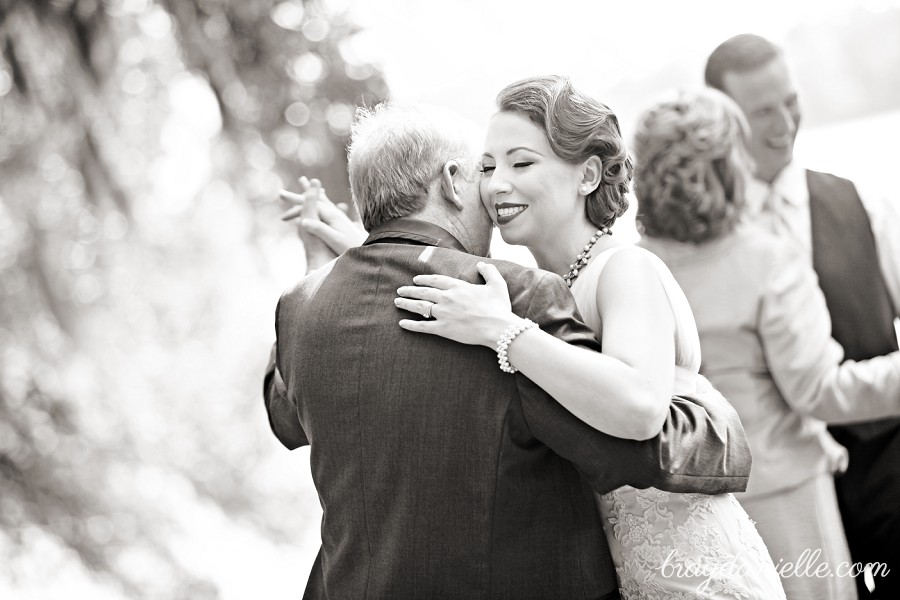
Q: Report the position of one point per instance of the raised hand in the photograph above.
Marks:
(322, 220)
(464, 312)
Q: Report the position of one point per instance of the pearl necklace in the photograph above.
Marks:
(584, 256)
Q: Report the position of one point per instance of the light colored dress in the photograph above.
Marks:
(766, 339)
(666, 545)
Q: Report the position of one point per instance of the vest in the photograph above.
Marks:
(845, 259)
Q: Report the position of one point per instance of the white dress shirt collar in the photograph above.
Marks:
(782, 207)
(790, 184)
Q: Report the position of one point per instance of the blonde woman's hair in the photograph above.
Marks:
(692, 165)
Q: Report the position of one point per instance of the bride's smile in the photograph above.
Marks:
(506, 212)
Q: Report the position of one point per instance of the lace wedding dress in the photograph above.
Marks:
(670, 546)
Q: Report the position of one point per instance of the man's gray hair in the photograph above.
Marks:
(396, 154)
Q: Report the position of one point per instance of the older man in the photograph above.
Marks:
(441, 476)
(854, 247)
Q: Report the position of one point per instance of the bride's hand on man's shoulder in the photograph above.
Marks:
(329, 222)
(455, 309)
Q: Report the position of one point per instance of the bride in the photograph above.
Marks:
(555, 177)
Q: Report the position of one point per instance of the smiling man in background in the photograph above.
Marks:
(854, 246)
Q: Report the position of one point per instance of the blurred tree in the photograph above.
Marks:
(141, 145)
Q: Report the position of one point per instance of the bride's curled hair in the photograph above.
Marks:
(692, 164)
(577, 127)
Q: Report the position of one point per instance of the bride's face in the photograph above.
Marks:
(527, 189)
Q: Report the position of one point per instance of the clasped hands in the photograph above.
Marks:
(325, 228)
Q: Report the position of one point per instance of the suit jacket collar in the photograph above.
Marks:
(406, 230)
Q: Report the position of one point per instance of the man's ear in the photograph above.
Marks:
(591, 175)
(449, 173)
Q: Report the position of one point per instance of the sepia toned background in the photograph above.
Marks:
(142, 144)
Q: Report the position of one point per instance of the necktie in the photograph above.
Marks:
(774, 211)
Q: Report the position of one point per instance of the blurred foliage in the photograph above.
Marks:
(141, 146)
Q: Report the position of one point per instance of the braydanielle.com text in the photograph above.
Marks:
(807, 565)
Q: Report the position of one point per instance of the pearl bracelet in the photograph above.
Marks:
(506, 339)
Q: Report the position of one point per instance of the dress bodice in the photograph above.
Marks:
(667, 545)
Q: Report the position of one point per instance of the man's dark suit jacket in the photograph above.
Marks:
(439, 475)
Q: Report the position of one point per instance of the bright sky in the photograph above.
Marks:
(461, 52)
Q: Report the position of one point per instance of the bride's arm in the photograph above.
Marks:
(624, 392)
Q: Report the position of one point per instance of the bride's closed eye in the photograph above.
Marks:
(487, 169)
(523, 164)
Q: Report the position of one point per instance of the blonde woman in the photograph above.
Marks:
(765, 333)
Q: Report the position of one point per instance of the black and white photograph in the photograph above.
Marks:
(498, 300)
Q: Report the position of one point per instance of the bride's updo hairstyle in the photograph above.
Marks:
(577, 127)
(692, 165)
